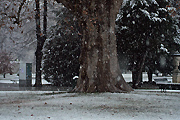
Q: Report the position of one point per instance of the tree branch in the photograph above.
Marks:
(45, 19)
(73, 5)
(66, 3)
(19, 11)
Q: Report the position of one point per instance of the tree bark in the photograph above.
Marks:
(40, 41)
(99, 67)
(139, 79)
(150, 75)
(4, 75)
(136, 76)
(138, 68)
(38, 52)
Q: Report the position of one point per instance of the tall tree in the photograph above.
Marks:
(41, 37)
(176, 14)
(143, 26)
(99, 68)
(17, 35)
(5, 65)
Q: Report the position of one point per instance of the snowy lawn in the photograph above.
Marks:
(127, 77)
(9, 79)
(137, 105)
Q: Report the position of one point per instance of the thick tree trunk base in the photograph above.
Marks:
(99, 67)
(120, 87)
(37, 85)
(111, 89)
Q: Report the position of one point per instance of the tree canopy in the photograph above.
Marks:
(143, 27)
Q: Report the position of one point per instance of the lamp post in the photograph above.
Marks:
(176, 71)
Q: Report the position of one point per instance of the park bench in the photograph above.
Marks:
(161, 80)
(15, 81)
(171, 86)
(164, 84)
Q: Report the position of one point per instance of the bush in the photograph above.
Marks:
(61, 51)
(5, 65)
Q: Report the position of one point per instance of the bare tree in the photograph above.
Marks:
(16, 34)
(41, 38)
(5, 65)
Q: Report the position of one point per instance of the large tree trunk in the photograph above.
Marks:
(99, 67)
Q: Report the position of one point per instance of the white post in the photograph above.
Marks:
(25, 74)
(176, 72)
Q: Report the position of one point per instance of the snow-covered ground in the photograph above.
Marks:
(16, 78)
(56, 105)
(137, 105)
(127, 77)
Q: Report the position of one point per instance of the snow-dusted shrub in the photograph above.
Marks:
(62, 50)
